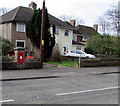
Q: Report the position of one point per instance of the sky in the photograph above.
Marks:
(87, 10)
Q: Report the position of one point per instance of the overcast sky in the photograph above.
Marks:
(88, 10)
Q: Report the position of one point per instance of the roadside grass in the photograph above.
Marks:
(64, 63)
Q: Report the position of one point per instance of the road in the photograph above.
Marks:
(73, 89)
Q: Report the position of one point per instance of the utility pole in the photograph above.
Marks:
(42, 35)
(118, 29)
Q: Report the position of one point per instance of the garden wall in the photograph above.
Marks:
(100, 62)
(14, 65)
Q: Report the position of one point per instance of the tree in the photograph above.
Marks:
(6, 46)
(104, 45)
(109, 22)
(34, 29)
(104, 25)
(3, 11)
(113, 16)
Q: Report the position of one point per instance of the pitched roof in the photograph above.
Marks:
(24, 14)
(86, 31)
(19, 14)
(57, 22)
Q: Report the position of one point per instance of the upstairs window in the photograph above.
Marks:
(66, 32)
(57, 31)
(20, 27)
(74, 38)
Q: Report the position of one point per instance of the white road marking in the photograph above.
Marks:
(85, 91)
(7, 100)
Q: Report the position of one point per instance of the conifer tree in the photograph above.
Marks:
(34, 29)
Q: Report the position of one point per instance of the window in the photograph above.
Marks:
(79, 38)
(57, 31)
(20, 27)
(20, 43)
(74, 37)
(78, 48)
(66, 32)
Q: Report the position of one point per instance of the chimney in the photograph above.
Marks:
(95, 27)
(72, 22)
(33, 5)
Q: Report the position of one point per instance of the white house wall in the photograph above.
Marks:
(63, 40)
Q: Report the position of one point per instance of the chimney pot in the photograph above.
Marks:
(95, 27)
(33, 5)
(72, 22)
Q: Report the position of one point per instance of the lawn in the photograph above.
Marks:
(65, 63)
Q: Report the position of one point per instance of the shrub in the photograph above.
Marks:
(104, 45)
(6, 46)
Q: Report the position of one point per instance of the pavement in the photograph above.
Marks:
(53, 71)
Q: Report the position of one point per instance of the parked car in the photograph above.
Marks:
(79, 53)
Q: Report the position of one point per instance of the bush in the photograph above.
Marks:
(56, 55)
(6, 46)
(104, 45)
(7, 58)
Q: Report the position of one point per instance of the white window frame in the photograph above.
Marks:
(20, 27)
(20, 41)
(57, 30)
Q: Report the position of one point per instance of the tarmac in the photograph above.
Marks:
(54, 71)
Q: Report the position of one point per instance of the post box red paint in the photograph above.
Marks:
(20, 57)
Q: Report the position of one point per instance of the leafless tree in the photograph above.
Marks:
(3, 11)
(113, 18)
(103, 25)
(109, 22)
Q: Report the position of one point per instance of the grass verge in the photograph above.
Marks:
(64, 63)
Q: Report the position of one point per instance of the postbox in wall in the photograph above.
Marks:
(20, 57)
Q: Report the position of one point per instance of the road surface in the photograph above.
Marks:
(68, 89)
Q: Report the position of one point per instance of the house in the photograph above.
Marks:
(77, 41)
(63, 34)
(81, 35)
(13, 25)
(87, 31)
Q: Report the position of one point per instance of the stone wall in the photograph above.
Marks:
(100, 62)
(14, 65)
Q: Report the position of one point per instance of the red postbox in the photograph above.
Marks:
(20, 57)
